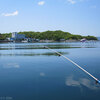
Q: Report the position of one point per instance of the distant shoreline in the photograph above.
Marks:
(48, 36)
(47, 41)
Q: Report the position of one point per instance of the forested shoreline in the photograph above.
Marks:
(50, 35)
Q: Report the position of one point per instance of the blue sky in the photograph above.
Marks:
(74, 16)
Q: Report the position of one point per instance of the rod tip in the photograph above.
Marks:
(99, 81)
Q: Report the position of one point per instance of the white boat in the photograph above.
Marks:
(24, 41)
(83, 40)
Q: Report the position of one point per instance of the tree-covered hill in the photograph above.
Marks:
(50, 35)
(55, 35)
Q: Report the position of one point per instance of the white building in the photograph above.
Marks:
(17, 36)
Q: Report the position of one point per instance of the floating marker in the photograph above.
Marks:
(97, 81)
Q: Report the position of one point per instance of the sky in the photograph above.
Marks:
(75, 16)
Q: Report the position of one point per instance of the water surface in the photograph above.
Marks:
(28, 71)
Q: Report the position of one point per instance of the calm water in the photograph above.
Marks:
(30, 72)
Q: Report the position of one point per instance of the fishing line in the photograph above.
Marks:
(59, 54)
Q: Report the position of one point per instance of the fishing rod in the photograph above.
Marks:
(97, 81)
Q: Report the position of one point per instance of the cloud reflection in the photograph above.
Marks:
(11, 65)
(42, 74)
(70, 81)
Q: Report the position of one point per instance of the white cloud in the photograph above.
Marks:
(71, 1)
(41, 3)
(11, 14)
(75, 1)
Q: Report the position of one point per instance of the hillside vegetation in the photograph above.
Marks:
(50, 35)
(55, 35)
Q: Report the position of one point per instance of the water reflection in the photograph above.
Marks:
(11, 46)
(42, 74)
(32, 54)
(37, 74)
(11, 65)
(70, 81)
